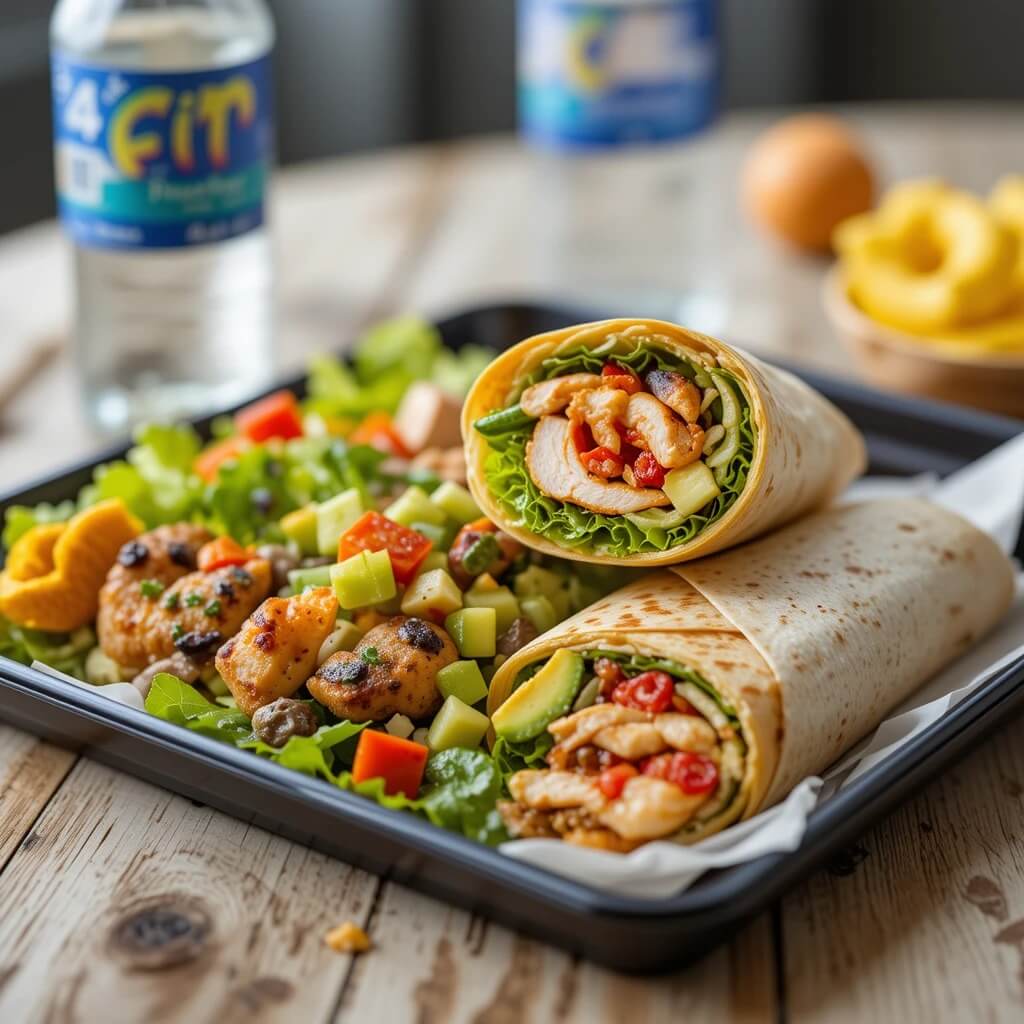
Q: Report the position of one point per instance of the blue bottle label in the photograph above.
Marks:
(150, 160)
(595, 73)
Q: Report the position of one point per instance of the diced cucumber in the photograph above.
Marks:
(691, 487)
(431, 595)
(484, 582)
(541, 612)
(657, 518)
(474, 631)
(440, 536)
(456, 725)
(434, 560)
(364, 579)
(501, 599)
(316, 576)
(343, 637)
(541, 699)
(414, 506)
(464, 680)
(100, 669)
(334, 516)
(457, 502)
(534, 581)
(300, 527)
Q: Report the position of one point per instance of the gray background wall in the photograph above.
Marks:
(356, 74)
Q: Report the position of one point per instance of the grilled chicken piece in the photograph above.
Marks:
(686, 732)
(672, 442)
(555, 468)
(545, 790)
(275, 651)
(649, 808)
(601, 410)
(551, 396)
(580, 728)
(401, 679)
(678, 393)
(428, 417)
(631, 741)
(136, 630)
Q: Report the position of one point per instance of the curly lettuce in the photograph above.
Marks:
(572, 526)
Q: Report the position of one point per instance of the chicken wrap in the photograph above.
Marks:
(640, 441)
(700, 695)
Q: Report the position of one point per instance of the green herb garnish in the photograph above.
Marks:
(171, 602)
(193, 600)
(212, 609)
(371, 656)
(152, 588)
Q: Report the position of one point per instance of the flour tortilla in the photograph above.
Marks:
(812, 634)
(806, 450)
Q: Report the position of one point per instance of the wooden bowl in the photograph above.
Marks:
(896, 361)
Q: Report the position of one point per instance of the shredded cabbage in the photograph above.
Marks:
(572, 526)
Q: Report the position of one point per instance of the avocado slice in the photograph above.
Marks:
(541, 699)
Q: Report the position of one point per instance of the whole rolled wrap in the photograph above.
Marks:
(809, 636)
(802, 450)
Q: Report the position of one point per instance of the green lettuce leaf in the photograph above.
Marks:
(463, 787)
(572, 526)
(175, 701)
(510, 758)
(21, 518)
(65, 652)
(311, 755)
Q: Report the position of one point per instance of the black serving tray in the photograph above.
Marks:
(904, 437)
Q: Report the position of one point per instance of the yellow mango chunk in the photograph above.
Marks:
(31, 554)
(74, 563)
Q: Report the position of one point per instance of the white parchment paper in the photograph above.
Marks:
(990, 493)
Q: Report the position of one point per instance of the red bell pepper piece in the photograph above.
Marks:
(374, 532)
(379, 432)
(648, 471)
(222, 552)
(277, 415)
(400, 763)
(208, 462)
(622, 378)
(602, 462)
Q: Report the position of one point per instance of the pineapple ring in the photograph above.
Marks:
(68, 563)
(928, 259)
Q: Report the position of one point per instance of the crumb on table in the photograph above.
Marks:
(348, 938)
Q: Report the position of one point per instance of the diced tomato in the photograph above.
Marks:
(582, 438)
(379, 432)
(374, 532)
(602, 462)
(648, 471)
(400, 763)
(625, 379)
(219, 553)
(692, 773)
(613, 780)
(649, 691)
(627, 450)
(209, 461)
(682, 705)
(277, 415)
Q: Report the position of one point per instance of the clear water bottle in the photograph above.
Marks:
(616, 97)
(163, 138)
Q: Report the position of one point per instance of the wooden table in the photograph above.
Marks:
(922, 920)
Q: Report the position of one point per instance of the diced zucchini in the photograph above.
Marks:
(316, 576)
(464, 680)
(501, 599)
(343, 637)
(300, 527)
(434, 560)
(431, 595)
(334, 516)
(541, 612)
(400, 726)
(474, 631)
(691, 487)
(440, 536)
(364, 579)
(541, 699)
(414, 506)
(534, 581)
(457, 725)
(100, 669)
(457, 502)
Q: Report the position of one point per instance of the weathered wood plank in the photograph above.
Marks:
(30, 772)
(108, 848)
(926, 920)
(433, 963)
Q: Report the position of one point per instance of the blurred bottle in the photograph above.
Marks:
(617, 97)
(163, 141)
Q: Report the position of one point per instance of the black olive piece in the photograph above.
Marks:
(197, 642)
(224, 589)
(352, 670)
(418, 634)
(180, 554)
(132, 554)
